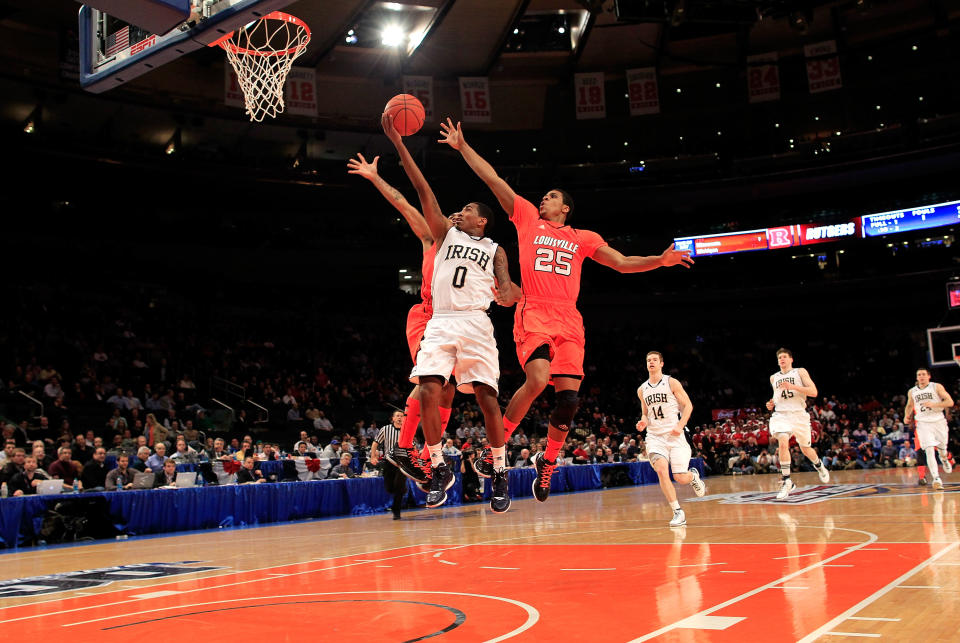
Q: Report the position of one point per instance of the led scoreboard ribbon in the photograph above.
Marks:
(930, 216)
(802, 234)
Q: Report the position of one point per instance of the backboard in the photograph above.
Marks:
(114, 51)
(942, 345)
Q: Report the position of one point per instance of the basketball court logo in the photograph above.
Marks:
(820, 493)
(89, 578)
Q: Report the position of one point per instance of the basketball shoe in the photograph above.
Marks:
(679, 518)
(483, 464)
(937, 484)
(785, 488)
(698, 487)
(440, 482)
(408, 461)
(500, 498)
(541, 484)
(945, 461)
(824, 473)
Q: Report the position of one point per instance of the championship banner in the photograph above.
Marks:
(763, 78)
(590, 99)
(475, 99)
(643, 92)
(300, 92)
(422, 88)
(232, 94)
(823, 66)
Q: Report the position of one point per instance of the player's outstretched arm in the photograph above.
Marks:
(686, 406)
(413, 217)
(607, 256)
(428, 201)
(504, 289)
(453, 136)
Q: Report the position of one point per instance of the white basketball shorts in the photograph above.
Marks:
(932, 433)
(674, 448)
(459, 341)
(796, 423)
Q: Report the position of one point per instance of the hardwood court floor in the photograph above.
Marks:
(871, 555)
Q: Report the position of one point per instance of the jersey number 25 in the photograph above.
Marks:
(548, 261)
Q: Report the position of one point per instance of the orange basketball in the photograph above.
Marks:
(407, 114)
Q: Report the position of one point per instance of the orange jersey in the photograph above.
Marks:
(551, 255)
(426, 270)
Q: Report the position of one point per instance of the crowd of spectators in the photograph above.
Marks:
(138, 379)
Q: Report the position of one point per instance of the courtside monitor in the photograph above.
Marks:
(953, 295)
(114, 51)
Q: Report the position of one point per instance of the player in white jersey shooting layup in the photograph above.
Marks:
(926, 403)
(468, 268)
(666, 410)
(791, 388)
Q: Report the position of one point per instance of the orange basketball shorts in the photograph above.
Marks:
(417, 320)
(560, 328)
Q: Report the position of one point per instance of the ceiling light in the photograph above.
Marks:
(392, 35)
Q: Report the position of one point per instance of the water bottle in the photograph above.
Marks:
(76, 485)
(3, 490)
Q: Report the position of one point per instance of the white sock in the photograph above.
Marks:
(499, 458)
(675, 505)
(436, 454)
(932, 462)
(785, 468)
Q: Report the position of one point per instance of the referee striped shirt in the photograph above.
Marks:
(387, 437)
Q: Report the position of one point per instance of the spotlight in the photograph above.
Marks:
(173, 145)
(800, 21)
(679, 14)
(392, 35)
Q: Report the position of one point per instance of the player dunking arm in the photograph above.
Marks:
(926, 403)
(404, 455)
(666, 411)
(791, 388)
(548, 329)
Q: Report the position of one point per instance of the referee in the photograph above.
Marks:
(393, 479)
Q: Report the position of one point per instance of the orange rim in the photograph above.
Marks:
(225, 43)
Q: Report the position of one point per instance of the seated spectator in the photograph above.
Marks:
(888, 455)
(449, 449)
(248, 474)
(183, 453)
(121, 477)
(342, 470)
(219, 450)
(167, 477)
(866, 456)
(322, 423)
(764, 462)
(82, 451)
(24, 483)
(523, 460)
(140, 461)
(13, 465)
(40, 453)
(304, 450)
(64, 468)
(907, 456)
(94, 474)
(157, 460)
(743, 464)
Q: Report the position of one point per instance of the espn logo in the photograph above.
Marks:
(146, 43)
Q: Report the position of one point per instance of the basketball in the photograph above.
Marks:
(407, 114)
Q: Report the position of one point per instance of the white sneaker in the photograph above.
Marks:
(945, 463)
(785, 488)
(698, 487)
(937, 484)
(679, 518)
(823, 472)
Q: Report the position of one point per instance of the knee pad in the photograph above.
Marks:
(567, 403)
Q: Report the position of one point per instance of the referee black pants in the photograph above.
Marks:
(395, 483)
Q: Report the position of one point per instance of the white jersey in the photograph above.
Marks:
(788, 401)
(463, 273)
(663, 411)
(922, 396)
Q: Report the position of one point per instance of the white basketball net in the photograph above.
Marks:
(261, 54)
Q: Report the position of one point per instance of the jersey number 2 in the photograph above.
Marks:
(459, 276)
(548, 261)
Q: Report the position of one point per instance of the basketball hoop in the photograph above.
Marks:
(261, 54)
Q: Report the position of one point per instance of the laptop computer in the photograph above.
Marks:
(186, 479)
(142, 480)
(47, 487)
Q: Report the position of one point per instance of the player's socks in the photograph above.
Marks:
(436, 454)
(444, 418)
(499, 458)
(785, 469)
(425, 454)
(509, 426)
(932, 462)
(675, 505)
(553, 448)
(921, 471)
(410, 422)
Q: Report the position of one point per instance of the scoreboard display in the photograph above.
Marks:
(931, 216)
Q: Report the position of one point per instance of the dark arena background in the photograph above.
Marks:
(172, 265)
